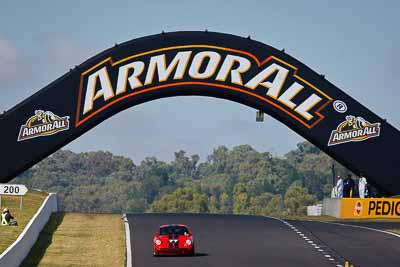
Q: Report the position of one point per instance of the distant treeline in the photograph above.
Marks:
(240, 180)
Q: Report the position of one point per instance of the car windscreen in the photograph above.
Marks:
(174, 230)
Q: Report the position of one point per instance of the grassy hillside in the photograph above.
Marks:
(31, 203)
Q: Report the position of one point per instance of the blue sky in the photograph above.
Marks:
(354, 43)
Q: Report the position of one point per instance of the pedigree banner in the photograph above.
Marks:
(356, 208)
(204, 64)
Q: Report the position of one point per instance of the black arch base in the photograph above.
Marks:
(205, 64)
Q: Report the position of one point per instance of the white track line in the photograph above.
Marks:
(363, 227)
(128, 242)
(308, 240)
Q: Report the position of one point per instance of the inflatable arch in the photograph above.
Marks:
(205, 64)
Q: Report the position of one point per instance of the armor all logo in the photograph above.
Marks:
(43, 123)
(354, 129)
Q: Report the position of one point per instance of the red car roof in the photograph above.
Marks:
(167, 225)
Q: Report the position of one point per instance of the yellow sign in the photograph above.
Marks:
(353, 208)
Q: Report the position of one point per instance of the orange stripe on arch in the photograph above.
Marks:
(154, 88)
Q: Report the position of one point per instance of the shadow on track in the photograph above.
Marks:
(186, 256)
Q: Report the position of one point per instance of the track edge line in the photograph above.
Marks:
(362, 227)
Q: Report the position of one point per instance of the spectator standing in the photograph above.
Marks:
(363, 187)
(339, 187)
(348, 186)
(334, 193)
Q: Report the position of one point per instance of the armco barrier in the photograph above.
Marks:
(16, 253)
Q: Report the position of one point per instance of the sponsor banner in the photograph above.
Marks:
(43, 123)
(354, 129)
(361, 208)
(270, 79)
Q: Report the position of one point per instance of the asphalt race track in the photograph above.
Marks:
(247, 241)
(362, 246)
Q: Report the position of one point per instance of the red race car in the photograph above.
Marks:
(173, 239)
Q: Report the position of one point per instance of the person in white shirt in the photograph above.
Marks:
(362, 187)
(334, 192)
(339, 187)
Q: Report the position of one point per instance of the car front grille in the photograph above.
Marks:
(173, 241)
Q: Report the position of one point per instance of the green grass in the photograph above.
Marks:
(31, 203)
(73, 239)
(396, 231)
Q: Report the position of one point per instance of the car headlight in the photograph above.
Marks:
(158, 242)
(188, 242)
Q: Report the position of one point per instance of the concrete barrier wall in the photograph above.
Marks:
(331, 207)
(315, 210)
(16, 253)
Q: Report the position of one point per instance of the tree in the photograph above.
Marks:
(259, 204)
(183, 166)
(275, 206)
(297, 198)
(182, 200)
(218, 159)
(238, 180)
(225, 203)
(240, 200)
